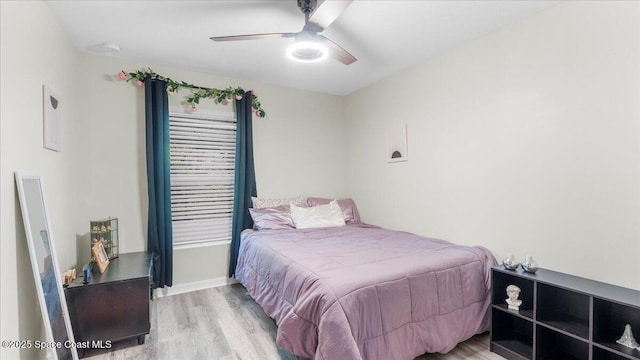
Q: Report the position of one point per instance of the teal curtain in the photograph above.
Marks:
(160, 231)
(245, 178)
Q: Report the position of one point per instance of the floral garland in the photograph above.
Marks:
(221, 96)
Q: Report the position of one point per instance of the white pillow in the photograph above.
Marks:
(261, 203)
(320, 216)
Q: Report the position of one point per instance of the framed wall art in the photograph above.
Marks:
(397, 143)
(52, 114)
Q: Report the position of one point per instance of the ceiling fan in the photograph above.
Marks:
(309, 45)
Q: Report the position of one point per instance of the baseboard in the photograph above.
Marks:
(193, 286)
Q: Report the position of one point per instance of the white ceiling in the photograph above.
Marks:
(385, 36)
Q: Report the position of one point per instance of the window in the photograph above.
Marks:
(202, 177)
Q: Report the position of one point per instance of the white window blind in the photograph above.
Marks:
(202, 171)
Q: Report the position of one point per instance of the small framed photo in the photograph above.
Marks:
(100, 256)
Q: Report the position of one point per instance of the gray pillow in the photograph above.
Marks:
(259, 203)
(272, 218)
(348, 206)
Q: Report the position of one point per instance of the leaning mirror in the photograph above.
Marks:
(53, 305)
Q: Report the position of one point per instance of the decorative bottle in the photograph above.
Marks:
(510, 262)
(529, 265)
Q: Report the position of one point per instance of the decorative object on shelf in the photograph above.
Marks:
(220, 96)
(627, 338)
(100, 256)
(106, 230)
(510, 262)
(87, 273)
(529, 265)
(513, 292)
(69, 276)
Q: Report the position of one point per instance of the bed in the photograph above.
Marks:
(363, 292)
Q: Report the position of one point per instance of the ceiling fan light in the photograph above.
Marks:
(307, 51)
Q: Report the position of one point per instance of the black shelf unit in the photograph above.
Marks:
(562, 317)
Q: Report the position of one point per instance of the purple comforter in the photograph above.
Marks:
(362, 292)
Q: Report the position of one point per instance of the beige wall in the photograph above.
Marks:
(526, 140)
(35, 51)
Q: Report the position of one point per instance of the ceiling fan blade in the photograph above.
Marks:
(337, 52)
(252, 36)
(326, 13)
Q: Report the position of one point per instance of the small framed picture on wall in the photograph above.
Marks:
(397, 143)
(52, 117)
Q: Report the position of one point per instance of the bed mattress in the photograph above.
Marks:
(363, 292)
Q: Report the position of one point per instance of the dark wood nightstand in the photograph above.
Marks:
(114, 305)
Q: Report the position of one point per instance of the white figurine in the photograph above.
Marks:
(627, 338)
(513, 292)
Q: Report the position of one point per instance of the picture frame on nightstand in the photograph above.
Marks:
(100, 256)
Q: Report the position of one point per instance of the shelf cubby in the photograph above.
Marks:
(564, 310)
(513, 334)
(552, 345)
(609, 320)
(602, 354)
(500, 283)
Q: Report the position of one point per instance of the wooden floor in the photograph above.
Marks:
(225, 323)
